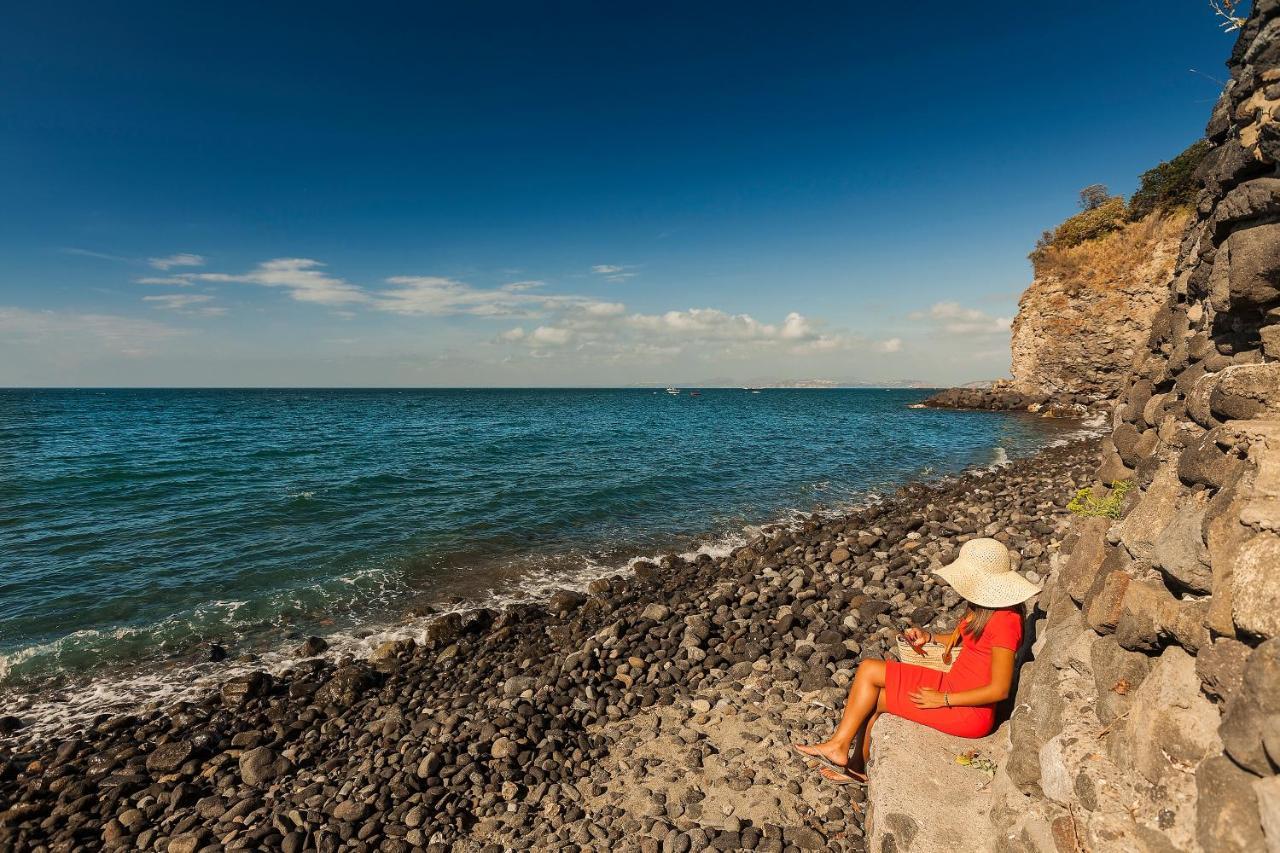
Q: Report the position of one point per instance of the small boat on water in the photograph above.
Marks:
(673, 391)
(695, 393)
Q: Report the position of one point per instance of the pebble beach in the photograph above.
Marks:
(651, 712)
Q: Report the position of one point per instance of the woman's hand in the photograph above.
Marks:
(916, 636)
(927, 697)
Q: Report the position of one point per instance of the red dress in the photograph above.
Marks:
(971, 670)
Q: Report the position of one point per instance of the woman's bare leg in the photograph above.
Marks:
(859, 764)
(864, 697)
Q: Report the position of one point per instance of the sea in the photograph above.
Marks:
(140, 527)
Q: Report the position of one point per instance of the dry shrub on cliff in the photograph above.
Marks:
(1109, 259)
(1098, 218)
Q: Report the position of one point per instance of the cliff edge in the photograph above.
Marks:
(1089, 309)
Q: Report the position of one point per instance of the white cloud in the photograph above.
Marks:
(302, 278)
(169, 280)
(705, 324)
(614, 272)
(87, 253)
(182, 259)
(550, 336)
(955, 319)
(83, 333)
(796, 327)
(554, 322)
(186, 303)
(821, 343)
(889, 345)
(438, 296)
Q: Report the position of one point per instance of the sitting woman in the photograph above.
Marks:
(959, 702)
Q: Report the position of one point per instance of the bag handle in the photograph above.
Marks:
(952, 640)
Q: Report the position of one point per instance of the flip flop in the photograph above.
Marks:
(823, 760)
(841, 777)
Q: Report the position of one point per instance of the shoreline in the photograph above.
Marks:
(497, 726)
(51, 708)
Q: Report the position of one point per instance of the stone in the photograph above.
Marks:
(839, 555)
(345, 687)
(1255, 585)
(1117, 673)
(168, 757)
(1103, 610)
(1262, 675)
(188, 842)
(349, 811)
(1023, 764)
(802, 837)
(1270, 336)
(1203, 463)
(1179, 551)
(444, 628)
(388, 652)
(1246, 391)
(1145, 611)
(503, 748)
(1198, 401)
(430, 765)
(1087, 557)
(516, 685)
(1267, 792)
(947, 793)
(1227, 816)
(260, 766)
(1125, 438)
(114, 834)
(1254, 271)
(1170, 725)
(312, 646)
(241, 689)
(1255, 199)
(1241, 730)
(656, 612)
(1220, 667)
(1150, 515)
(566, 601)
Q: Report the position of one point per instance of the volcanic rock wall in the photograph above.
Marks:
(1150, 716)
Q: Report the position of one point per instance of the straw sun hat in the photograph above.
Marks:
(982, 575)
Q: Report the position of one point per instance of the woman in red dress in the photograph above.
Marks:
(959, 702)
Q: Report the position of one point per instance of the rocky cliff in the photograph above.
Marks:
(1150, 716)
(1089, 309)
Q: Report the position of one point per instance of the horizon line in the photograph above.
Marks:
(869, 386)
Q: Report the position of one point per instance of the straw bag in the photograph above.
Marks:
(939, 656)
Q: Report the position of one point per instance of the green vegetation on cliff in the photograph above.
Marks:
(1169, 185)
(1167, 188)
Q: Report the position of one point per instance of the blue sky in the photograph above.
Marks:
(559, 193)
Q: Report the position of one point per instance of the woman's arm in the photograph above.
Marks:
(997, 690)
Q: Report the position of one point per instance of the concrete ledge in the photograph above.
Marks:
(919, 799)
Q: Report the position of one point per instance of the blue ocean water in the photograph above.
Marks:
(137, 524)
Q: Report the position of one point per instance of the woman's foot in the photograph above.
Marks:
(826, 752)
(848, 777)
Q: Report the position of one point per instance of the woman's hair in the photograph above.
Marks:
(980, 616)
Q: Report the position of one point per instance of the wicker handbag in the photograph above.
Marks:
(939, 656)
